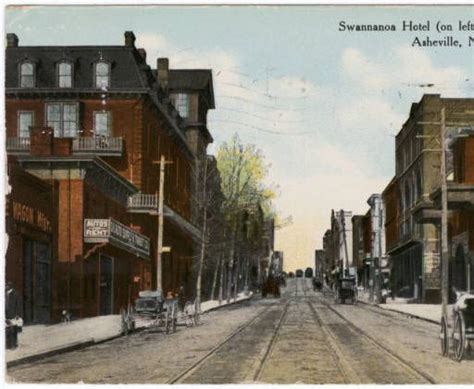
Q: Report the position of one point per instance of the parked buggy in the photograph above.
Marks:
(159, 312)
(346, 290)
(461, 325)
(317, 284)
(271, 286)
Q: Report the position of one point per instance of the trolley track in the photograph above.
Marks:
(187, 373)
(401, 362)
(273, 340)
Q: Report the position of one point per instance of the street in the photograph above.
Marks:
(303, 337)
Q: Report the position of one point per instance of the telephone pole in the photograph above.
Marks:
(444, 258)
(159, 245)
(444, 219)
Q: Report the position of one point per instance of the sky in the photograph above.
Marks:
(323, 105)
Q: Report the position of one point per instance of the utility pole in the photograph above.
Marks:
(203, 239)
(159, 246)
(345, 266)
(379, 259)
(444, 220)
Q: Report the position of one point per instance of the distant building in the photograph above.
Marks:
(319, 264)
(358, 253)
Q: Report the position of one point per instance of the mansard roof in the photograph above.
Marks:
(129, 70)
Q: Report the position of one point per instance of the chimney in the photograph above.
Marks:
(129, 39)
(142, 53)
(12, 40)
(162, 70)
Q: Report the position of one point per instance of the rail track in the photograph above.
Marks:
(372, 347)
(268, 350)
(183, 375)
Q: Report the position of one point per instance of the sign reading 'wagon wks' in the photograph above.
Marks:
(110, 230)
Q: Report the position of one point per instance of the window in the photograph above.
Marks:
(65, 75)
(407, 196)
(102, 123)
(25, 120)
(181, 103)
(102, 75)
(63, 118)
(27, 75)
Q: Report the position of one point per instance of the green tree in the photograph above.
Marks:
(243, 173)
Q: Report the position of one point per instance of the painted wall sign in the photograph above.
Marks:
(26, 214)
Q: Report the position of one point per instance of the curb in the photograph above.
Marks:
(227, 305)
(400, 312)
(81, 345)
(50, 353)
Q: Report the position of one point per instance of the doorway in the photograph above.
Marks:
(36, 282)
(106, 285)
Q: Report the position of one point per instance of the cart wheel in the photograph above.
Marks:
(443, 337)
(459, 343)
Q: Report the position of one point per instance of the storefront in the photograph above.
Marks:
(118, 268)
(30, 257)
(406, 272)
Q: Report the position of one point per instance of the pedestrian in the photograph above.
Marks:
(181, 298)
(13, 323)
(11, 301)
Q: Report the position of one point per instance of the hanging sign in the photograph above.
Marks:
(111, 231)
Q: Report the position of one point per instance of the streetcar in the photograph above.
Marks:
(308, 273)
(299, 273)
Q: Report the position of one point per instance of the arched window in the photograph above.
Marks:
(65, 75)
(27, 75)
(102, 75)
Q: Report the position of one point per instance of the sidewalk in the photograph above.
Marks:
(428, 312)
(39, 341)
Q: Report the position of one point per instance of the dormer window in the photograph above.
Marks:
(27, 75)
(65, 75)
(181, 103)
(102, 75)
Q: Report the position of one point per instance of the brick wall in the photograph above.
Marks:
(391, 202)
(464, 160)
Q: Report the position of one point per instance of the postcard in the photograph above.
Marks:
(239, 194)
